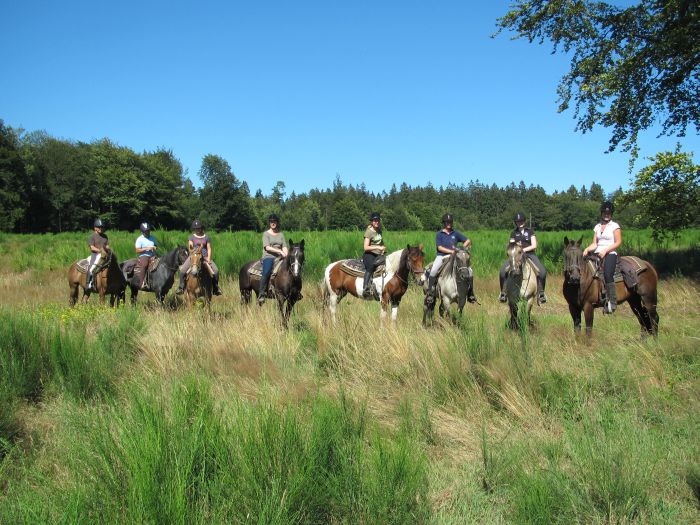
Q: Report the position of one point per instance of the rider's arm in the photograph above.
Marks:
(467, 243)
(443, 249)
(533, 245)
(208, 251)
(591, 247)
(94, 249)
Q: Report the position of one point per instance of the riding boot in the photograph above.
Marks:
(262, 291)
(541, 297)
(430, 294)
(611, 305)
(181, 287)
(367, 285)
(215, 284)
(88, 281)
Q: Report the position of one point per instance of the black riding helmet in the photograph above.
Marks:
(273, 218)
(375, 216)
(447, 219)
(145, 227)
(607, 206)
(197, 225)
(519, 217)
(98, 224)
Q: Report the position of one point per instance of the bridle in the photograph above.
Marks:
(296, 265)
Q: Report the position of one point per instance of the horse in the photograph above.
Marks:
(285, 284)
(161, 279)
(452, 285)
(199, 281)
(391, 286)
(520, 284)
(582, 290)
(108, 279)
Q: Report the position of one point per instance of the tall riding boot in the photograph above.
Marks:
(88, 281)
(181, 287)
(262, 291)
(215, 284)
(611, 305)
(541, 297)
(367, 285)
(430, 295)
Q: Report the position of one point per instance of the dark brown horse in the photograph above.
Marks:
(199, 281)
(108, 280)
(582, 290)
(392, 286)
(285, 285)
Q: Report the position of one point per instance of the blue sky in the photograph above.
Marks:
(380, 93)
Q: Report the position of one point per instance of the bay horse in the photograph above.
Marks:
(199, 281)
(582, 290)
(392, 286)
(452, 285)
(285, 285)
(520, 284)
(161, 279)
(108, 280)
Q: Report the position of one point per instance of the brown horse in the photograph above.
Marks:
(392, 286)
(108, 280)
(582, 290)
(285, 285)
(199, 280)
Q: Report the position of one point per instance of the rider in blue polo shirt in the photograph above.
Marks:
(446, 243)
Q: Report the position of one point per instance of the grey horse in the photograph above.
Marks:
(453, 285)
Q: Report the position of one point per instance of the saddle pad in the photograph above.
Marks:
(82, 265)
(356, 268)
(629, 263)
(153, 263)
(256, 269)
(627, 269)
(128, 267)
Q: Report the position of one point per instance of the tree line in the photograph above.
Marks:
(52, 185)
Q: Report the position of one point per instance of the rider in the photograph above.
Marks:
(199, 238)
(446, 244)
(97, 242)
(274, 245)
(527, 240)
(146, 247)
(607, 237)
(373, 249)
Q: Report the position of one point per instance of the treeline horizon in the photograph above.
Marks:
(54, 185)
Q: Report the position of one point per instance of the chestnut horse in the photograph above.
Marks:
(199, 280)
(582, 290)
(108, 280)
(392, 286)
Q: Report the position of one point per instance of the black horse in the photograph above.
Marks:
(286, 285)
(160, 280)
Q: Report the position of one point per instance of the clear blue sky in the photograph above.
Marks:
(378, 92)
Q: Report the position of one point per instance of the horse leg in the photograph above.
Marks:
(332, 304)
(245, 296)
(73, 294)
(395, 308)
(514, 321)
(588, 316)
(134, 294)
(575, 312)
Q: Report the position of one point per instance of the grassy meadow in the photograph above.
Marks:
(150, 415)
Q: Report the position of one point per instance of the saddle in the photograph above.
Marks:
(129, 267)
(83, 264)
(533, 267)
(256, 268)
(627, 270)
(356, 267)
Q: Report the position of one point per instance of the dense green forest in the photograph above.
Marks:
(49, 184)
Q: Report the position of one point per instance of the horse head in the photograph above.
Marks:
(415, 259)
(573, 260)
(182, 253)
(515, 258)
(295, 258)
(196, 258)
(462, 262)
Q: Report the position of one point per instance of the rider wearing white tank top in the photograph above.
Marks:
(605, 234)
(607, 237)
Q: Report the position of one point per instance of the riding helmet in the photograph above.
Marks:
(145, 227)
(607, 206)
(197, 224)
(98, 223)
(447, 219)
(519, 217)
(273, 217)
(375, 216)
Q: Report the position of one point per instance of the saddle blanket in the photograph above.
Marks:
(627, 269)
(82, 265)
(256, 268)
(356, 268)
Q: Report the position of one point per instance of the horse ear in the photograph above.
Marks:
(420, 246)
(408, 246)
(578, 243)
(291, 242)
(566, 240)
(301, 244)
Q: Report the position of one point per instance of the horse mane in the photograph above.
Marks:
(393, 260)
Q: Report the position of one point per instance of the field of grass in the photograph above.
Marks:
(144, 415)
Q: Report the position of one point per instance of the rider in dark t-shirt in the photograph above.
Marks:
(527, 240)
(97, 242)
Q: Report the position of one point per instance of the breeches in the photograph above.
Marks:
(437, 264)
(609, 264)
(184, 268)
(94, 261)
(369, 259)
